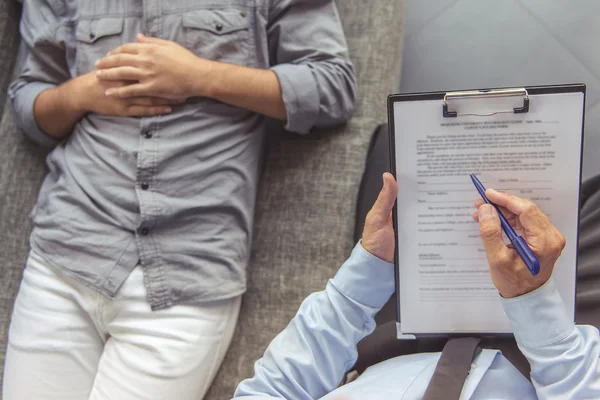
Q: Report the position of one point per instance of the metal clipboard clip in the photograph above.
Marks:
(483, 94)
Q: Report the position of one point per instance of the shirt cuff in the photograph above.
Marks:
(366, 279)
(539, 318)
(300, 95)
(23, 102)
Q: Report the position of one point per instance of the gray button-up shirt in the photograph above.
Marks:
(175, 192)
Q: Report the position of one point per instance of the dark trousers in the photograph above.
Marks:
(382, 343)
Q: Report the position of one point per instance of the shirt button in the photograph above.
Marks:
(92, 35)
(219, 27)
(145, 186)
(243, 14)
(144, 231)
(148, 135)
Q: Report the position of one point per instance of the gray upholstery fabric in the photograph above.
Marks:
(307, 199)
(9, 41)
(21, 172)
(305, 206)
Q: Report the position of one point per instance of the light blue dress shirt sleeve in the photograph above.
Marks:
(564, 358)
(308, 50)
(310, 357)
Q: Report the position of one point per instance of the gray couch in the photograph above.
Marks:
(305, 206)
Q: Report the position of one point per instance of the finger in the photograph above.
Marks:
(130, 48)
(154, 101)
(148, 39)
(121, 74)
(135, 90)
(178, 101)
(162, 101)
(529, 215)
(510, 217)
(387, 196)
(515, 204)
(145, 111)
(505, 211)
(491, 233)
(118, 60)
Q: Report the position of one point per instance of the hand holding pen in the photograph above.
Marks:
(519, 244)
(509, 272)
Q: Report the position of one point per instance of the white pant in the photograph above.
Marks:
(67, 341)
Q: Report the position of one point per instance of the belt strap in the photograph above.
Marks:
(452, 369)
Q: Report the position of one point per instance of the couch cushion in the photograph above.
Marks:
(9, 34)
(307, 198)
(21, 172)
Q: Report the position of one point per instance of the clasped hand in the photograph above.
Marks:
(146, 78)
(159, 68)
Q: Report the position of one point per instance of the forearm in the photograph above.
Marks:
(57, 110)
(254, 89)
(564, 358)
(569, 368)
(310, 357)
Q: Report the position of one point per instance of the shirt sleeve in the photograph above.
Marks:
(42, 62)
(310, 357)
(564, 357)
(309, 54)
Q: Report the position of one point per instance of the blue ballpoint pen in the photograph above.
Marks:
(518, 242)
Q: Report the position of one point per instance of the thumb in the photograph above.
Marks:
(491, 231)
(387, 196)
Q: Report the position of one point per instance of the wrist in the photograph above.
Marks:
(376, 248)
(79, 94)
(208, 78)
(539, 318)
(521, 287)
(512, 293)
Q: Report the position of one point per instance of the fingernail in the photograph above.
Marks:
(97, 63)
(485, 211)
(383, 178)
(109, 92)
(492, 191)
(98, 73)
(167, 110)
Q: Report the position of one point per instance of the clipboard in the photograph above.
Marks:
(482, 108)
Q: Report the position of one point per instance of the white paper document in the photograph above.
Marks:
(444, 281)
